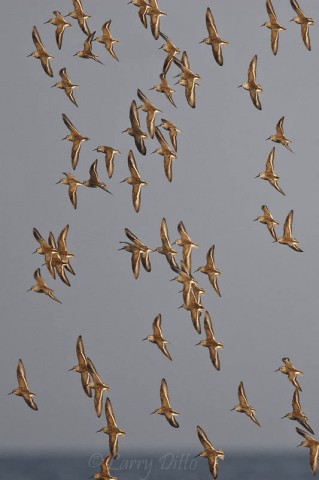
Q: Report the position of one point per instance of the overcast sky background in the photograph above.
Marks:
(270, 302)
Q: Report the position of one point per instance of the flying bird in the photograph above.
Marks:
(111, 428)
(41, 53)
(209, 452)
(210, 341)
(105, 470)
(46, 249)
(143, 9)
(287, 238)
(66, 85)
(150, 110)
(192, 303)
(155, 13)
(279, 136)
(140, 253)
(269, 173)
(59, 266)
(166, 152)
(304, 23)
(164, 87)
(23, 389)
(73, 183)
(313, 446)
(297, 413)
(166, 248)
(211, 270)
(87, 50)
(186, 243)
(98, 386)
(186, 278)
(172, 130)
(251, 85)
(79, 15)
(157, 336)
(166, 409)
(135, 130)
(244, 406)
(274, 26)
(171, 51)
(41, 286)
(109, 153)
(93, 181)
(289, 370)
(213, 38)
(268, 220)
(76, 138)
(63, 252)
(188, 79)
(82, 366)
(107, 39)
(61, 24)
(134, 180)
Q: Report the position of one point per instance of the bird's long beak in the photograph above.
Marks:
(153, 412)
(144, 339)
(255, 218)
(197, 344)
(70, 369)
(201, 42)
(46, 22)
(53, 85)
(95, 149)
(151, 88)
(29, 55)
(10, 393)
(268, 138)
(122, 181)
(99, 430)
(257, 176)
(239, 86)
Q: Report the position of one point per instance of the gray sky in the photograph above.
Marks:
(269, 305)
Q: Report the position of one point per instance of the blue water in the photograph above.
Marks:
(166, 466)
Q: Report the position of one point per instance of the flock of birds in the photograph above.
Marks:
(57, 257)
